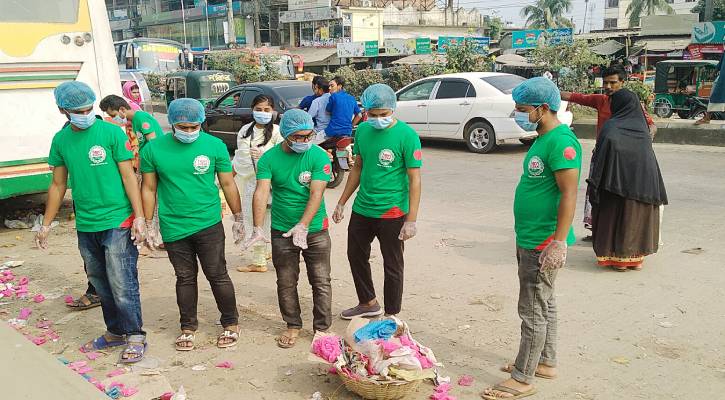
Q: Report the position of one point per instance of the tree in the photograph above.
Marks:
(546, 14)
(570, 62)
(495, 27)
(640, 8)
(718, 12)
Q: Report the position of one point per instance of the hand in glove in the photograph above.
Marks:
(408, 230)
(257, 236)
(299, 235)
(339, 213)
(238, 228)
(138, 231)
(553, 256)
(41, 237)
(153, 236)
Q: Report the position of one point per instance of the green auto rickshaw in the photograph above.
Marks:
(205, 86)
(683, 87)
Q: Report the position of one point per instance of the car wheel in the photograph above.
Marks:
(527, 142)
(480, 137)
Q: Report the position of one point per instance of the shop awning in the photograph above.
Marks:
(514, 60)
(607, 48)
(418, 59)
(316, 56)
(664, 45)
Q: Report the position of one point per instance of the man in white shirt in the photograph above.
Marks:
(318, 109)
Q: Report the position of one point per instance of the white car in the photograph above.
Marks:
(474, 106)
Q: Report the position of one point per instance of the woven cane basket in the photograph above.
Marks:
(379, 391)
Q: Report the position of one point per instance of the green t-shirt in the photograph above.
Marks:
(387, 154)
(537, 195)
(188, 195)
(144, 124)
(91, 157)
(291, 174)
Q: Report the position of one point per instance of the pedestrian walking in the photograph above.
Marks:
(343, 109)
(95, 157)
(182, 168)
(296, 172)
(626, 188)
(132, 95)
(544, 207)
(253, 140)
(716, 103)
(614, 78)
(387, 166)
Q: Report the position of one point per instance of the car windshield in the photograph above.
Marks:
(504, 83)
(293, 94)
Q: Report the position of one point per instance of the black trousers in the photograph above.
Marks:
(208, 246)
(360, 234)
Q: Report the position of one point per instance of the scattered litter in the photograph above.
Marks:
(25, 313)
(180, 394)
(436, 296)
(116, 372)
(128, 391)
(150, 372)
(621, 360)
(113, 392)
(24, 280)
(666, 324)
(694, 250)
(465, 380)
(316, 396)
(12, 264)
(43, 324)
(225, 364)
(38, 340)
(93, 355)
(256, 384)
(38, 298)
(464, 327)
(288, 373)
(198, 368)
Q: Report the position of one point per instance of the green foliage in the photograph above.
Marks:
(156, 84)
(718, 12)
(641, 8)
(644, 92)
(356, 81)
(546, 14)
(463, 58)
(495, 27)
(243, 66)
(572, 62)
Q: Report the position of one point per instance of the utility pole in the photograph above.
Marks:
(584, 23)
(231, 33)
(709, 9)
(257, 36)
(450, 9)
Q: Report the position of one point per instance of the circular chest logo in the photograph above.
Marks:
(304, 178)
(386, 157)
(201, 164)
(536, 166)
(97, 154)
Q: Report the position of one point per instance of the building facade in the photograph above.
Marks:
(615, 12)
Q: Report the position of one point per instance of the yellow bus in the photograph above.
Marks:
(42, 44)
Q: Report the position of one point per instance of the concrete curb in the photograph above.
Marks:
(677, 133)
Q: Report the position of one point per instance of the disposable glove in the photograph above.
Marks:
(41, 237)
(238, 228)
(553, 256)
(153, 236)
(256, 237)
(339, 213)
(299, 235)
(408, 230)
(138, 231)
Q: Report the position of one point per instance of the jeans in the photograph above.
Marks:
(286, 259)
(360, 234)
(208, 246)
(110, 258)
(90, 290)
(537, 309)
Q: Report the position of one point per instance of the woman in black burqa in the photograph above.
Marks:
(625, 187)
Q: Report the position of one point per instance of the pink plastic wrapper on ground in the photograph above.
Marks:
(225, 364)
(388, 347)
(443, 388)
(76, 365)
(23, 280)
(68, 299)
(38, 340)
(21, 291)
(52, 335)
(7, 293)
(25, 313)
(332, 371)
(43, 324)
(84, 370)
(128, 392)
(97, 384)
(424, 361)
(327, 347)
(465, 380)
(38, 298)
(119, 385)
(441, 396)
(93, 356)
(116, 372)
(166, 396)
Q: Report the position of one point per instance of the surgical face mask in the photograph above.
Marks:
(82, 121)
(120, 120)
(261, 117)
(380, 122)
(522, 120)
(300, 147)
(186, 137)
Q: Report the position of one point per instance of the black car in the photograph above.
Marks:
(225, 116)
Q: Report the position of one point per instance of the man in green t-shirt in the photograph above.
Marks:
(544, 207)
(296, 172)
(182, 167)
(387, 166)
(95, 156)
(143, 124)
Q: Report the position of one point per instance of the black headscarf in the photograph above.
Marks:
(624, 162)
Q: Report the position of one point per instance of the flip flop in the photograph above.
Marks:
(290, 342)
(135, 349)
(185, 338)
(79, 305)
(516, 393)
(227, 334)
(508, 368)
(253, 268)
(101, 343)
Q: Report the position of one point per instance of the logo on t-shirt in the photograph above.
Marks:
(569, 153)
(97, 155)
(536, 166)
(201, 165)
(386, 157)
(304, 178)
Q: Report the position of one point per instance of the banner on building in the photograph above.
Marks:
(708, 32)
(480, 44)
(444, 42)
(311, 14)
(533, 38)
(305, 4)
(357, 49)
(400, 47)
(422, 46)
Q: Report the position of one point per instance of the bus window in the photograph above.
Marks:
(131, 56)
(57, 11)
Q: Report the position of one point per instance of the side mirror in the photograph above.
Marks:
(209, 106)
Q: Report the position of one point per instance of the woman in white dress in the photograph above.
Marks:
(253, 140)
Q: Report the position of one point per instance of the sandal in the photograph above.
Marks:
(619, 268)
(85, 302)
(286, 340)
(185, 341)
(509, 368)
(227, 334)
(101, 343)
(253, 268)
(516, 393)
(134, 351)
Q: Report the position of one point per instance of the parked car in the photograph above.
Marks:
(225, 116)
(474, 106)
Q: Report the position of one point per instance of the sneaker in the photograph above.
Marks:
(362, 311)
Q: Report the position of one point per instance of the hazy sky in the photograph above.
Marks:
(509, 11)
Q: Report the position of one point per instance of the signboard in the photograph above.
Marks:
(533, 38)
(708, 32)
(422, 46)
(444, 42)
(310, 14)
(357, 49)
(305, 4)
(480, 44)
(400, 47)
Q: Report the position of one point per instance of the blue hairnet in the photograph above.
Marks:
(538, 91)
(186, 110)
(295, 120)
(74, 95)
(379, 95)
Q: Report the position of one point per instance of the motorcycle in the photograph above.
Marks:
(340, 151)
